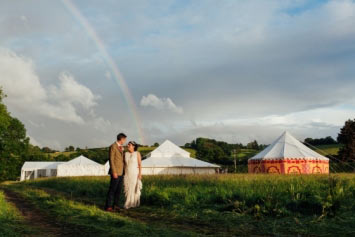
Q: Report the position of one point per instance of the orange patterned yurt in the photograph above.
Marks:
(287, 155)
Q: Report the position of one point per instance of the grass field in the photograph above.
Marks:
(225, 205)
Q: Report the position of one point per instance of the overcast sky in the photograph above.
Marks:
(234, 70)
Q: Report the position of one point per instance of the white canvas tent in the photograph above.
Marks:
(36, 169)
(80, 166)
(168, 158)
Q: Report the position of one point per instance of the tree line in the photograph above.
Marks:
(320, 141)
(219, 152)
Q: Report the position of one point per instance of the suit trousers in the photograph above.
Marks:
(114, 192)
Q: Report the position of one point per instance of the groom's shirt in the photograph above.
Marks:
(116, 159)
(120, 147)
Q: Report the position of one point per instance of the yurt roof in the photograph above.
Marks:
(30, 165)
(288, 147)
(81, 160)
(168, 148)
(162, 162)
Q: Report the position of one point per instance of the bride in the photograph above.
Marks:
(133, 176)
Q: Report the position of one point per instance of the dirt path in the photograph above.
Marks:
(43, 224)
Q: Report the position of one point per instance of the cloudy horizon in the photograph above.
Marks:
(229, 70)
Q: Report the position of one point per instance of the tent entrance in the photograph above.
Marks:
(29, 175)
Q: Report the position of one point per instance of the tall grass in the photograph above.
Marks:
(257, 194)
(248, 194)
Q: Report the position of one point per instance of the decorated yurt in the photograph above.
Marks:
(287, 155)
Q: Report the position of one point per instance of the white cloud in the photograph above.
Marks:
(70, 91)
(26, 93)
(160, 103)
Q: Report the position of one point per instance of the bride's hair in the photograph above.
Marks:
(134, 144)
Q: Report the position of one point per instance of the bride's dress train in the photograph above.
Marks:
(132, 185)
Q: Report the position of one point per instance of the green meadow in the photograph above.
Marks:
(223, 205)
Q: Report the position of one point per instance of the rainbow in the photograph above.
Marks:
(111, 63)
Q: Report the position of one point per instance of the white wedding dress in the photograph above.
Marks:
(132, 185)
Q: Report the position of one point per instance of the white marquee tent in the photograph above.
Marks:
(80, 166)
(168, 158)
(38, 169)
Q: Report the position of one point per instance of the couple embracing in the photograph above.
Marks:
(125, 170)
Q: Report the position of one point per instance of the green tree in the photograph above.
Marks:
(4, 120)
(320, 141)
(47, 150)
(13, 143)
(253, 145)
(212, 151)
(347, 138)
(70, 148)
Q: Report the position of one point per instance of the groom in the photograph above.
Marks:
(116, 171)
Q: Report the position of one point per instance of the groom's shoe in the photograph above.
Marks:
(117, 209)
(109, 209)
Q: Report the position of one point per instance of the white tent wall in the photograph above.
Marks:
(37, 173)
(73, 170)
(34, 170)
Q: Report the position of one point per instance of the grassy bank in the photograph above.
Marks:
(236, 204)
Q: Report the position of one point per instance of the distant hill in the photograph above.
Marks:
(332, 150)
